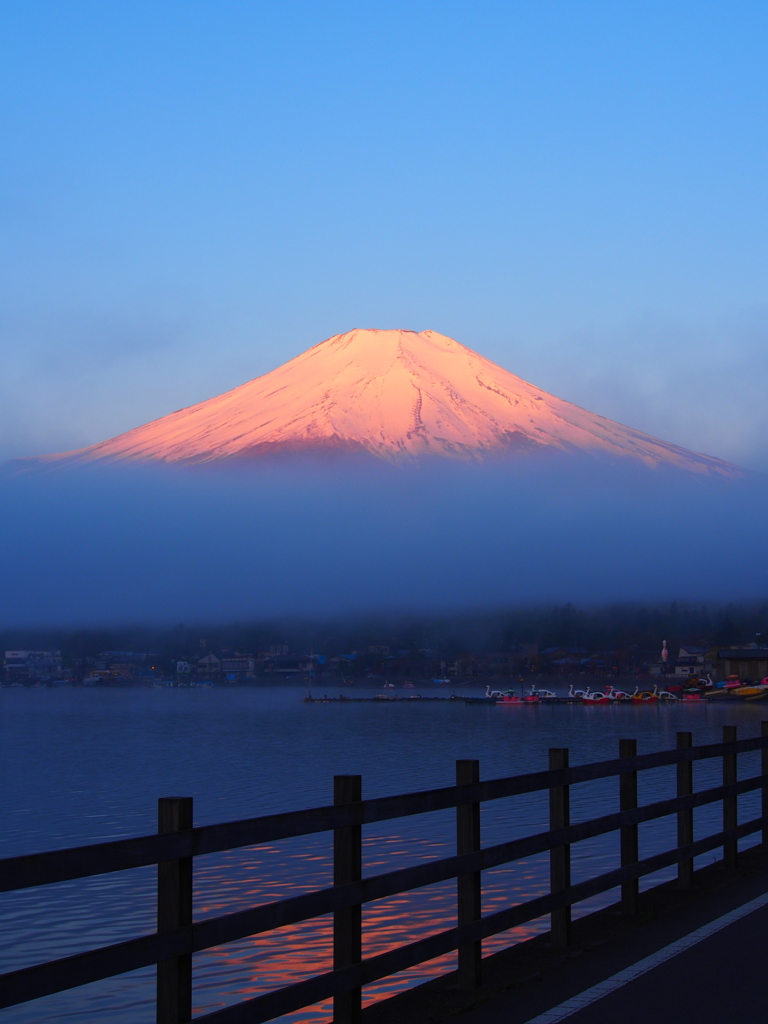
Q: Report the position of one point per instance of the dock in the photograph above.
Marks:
(376, 699)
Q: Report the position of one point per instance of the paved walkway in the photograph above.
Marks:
(706, 966)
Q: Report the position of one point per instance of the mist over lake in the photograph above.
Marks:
(163, 544)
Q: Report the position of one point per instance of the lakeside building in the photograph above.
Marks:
(748, 662)
(32, 666)
(239, 665)
(209, 667)
(288, 664)
(123, 668)
(692, 660)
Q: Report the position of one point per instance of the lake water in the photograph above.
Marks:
(87, 765)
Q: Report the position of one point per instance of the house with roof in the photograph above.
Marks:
(209, 667)
(749, 662)
(32, 666)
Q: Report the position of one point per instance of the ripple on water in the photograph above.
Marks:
(88, 765)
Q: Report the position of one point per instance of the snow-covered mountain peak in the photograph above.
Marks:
(394, 394)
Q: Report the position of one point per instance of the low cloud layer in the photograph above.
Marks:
(104, 546)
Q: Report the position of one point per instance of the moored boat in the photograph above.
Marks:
(618, 695)
(577, 693)
(542, 695)
(596, 698)
(645, 697)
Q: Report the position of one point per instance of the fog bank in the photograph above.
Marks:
(169, 545)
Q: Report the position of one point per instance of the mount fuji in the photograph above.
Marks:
(393, 395)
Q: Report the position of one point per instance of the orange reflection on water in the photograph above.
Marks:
(228, 974)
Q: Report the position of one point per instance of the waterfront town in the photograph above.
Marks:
(375, 665)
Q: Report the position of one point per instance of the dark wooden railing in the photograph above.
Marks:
(177, 843)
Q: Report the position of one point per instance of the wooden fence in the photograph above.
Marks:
(177, 843)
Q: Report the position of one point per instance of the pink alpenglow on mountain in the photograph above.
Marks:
(395, 395)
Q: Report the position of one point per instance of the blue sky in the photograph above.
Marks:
(192, 193)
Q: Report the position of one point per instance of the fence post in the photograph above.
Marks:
(560, 856)
(730, 803)
(468, 886)
(174, 910)
(764, 773)
(629, 846)
(685, 817)
(347, 923)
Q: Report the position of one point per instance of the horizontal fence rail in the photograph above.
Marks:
(122, 854)
(294, 997)
(178, 937)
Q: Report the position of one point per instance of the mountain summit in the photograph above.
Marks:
(396, 395)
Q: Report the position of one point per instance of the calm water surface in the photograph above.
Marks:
(88, 765)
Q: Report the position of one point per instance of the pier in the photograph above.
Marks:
(505, 986)
(377, 698)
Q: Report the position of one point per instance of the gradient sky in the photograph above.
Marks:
(195, 192)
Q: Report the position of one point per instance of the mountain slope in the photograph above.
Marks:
(395, 395)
